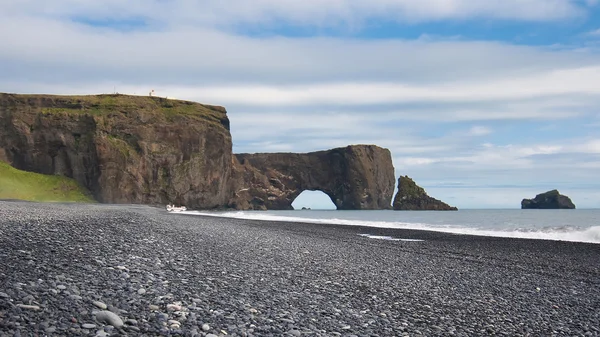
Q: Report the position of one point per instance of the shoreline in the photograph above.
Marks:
(178, 274)
(450, 230)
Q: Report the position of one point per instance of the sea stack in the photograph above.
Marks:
(548, 200)
(411, 197)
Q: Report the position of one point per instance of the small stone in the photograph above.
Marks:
(205, 327)
(115, 309)
(76, 297)
(61, 287)
(28, 307)
(211, 335)
(4, 295)
(50, 329)
(141, 291)
(88, 326)
(109, 318)
(295, 333)
(101, 333)
(100, 305)
(131, 322)
(153, 307)
(173, 307)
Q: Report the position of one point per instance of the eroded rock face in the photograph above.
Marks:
(548, 200)
(411, 197)
(124, 149)
(151, 150)
(354, 177)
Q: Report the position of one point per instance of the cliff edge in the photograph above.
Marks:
(123, 149)
(153, 150)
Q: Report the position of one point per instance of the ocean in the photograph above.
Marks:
(582, 225)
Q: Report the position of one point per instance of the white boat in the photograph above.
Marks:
(173, 208)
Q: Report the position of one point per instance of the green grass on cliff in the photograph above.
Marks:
(22, 185)
(107, 105)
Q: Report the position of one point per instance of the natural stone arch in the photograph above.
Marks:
(307, 199)
(354, 177)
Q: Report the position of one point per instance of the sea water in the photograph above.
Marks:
(582, 225)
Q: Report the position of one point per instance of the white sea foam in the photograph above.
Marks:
(388, 238)
(565, 233)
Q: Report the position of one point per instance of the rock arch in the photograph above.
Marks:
(354, 177)
(313, 199)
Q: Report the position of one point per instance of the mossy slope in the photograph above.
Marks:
(22, 185)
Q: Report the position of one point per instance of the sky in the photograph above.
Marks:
(482, 103)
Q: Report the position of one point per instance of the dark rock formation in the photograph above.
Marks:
(411, 197)
(123, 149)
(549, 200)
(151, 150)
(354, 177)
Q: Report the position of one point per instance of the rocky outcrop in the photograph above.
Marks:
(411, 197)
(354, 177)
(123, 149)
(152, 150)
(548, 200)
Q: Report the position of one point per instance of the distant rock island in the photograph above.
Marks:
(548, 200)
(411, 197)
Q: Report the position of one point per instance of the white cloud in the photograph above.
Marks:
(506, 156)
(201, 56)
(479, 131)
(591, 146)
(414, 161)
(320, 13)
(594, 33)
(584, 81)
(305, 94)
(575, 81)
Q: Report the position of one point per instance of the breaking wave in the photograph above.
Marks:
(560, 233)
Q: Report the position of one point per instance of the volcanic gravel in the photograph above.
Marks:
(105, 270)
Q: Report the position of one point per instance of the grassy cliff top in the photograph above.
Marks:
(111, 104)
(22, 185)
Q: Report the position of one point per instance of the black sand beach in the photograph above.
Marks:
(61, 266)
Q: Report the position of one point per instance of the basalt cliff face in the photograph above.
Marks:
(152, 150)
(356, 177)
(411, 197)
(548, 200)
(123, 149)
